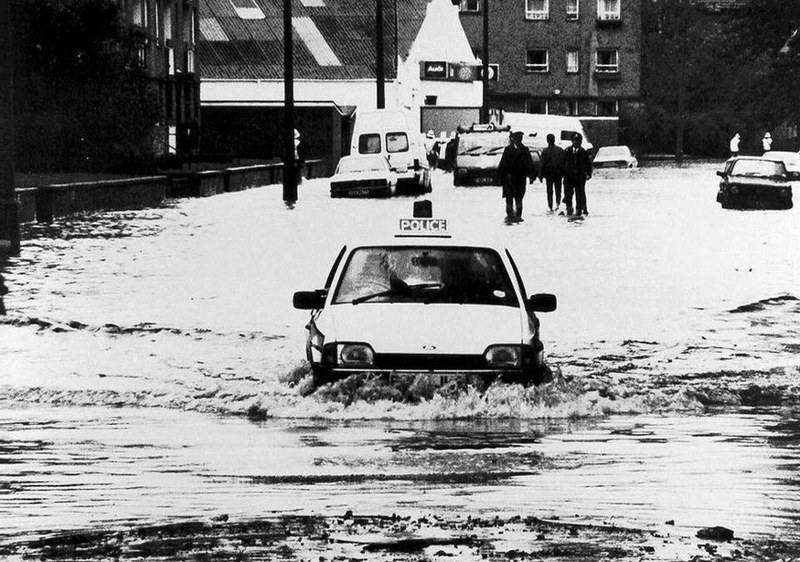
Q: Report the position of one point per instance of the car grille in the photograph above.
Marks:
(426, 362)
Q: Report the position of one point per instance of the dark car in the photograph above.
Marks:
(752, 182)
(478, 154)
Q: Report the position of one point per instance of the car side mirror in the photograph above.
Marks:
(309, 300)
(416, 164)
(720, 173)
(543, 302)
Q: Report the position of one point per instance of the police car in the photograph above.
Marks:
(424, 303)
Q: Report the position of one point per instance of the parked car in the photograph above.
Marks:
(363, 176)
(753, 182)
(614, 157)
(790, 159)
(398, 307)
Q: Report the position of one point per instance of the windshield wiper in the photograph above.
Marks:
(400, 290)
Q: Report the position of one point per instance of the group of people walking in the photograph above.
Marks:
(572, 166)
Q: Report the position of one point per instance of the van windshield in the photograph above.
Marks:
(369, 144)
(396, 142)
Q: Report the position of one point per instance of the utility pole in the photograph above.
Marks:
(289, 160)
(9, 213)
(485, 105)
(379, 75)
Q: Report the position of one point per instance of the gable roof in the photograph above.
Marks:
(332, 39)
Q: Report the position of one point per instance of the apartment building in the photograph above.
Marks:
(168, 55)
(564, 57)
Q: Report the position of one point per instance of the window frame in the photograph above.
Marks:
(576, 69)
(612, 15)
(573, 16)
(537, 15)
(463, 6)
(606, 68)
(614, 111)
(531, 101)
(364, 138)
(537, 68)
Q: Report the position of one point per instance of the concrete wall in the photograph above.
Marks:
(46, 203)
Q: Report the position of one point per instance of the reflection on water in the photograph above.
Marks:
(75, 468)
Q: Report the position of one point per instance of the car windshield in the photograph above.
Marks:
(757, 167)
(482, 143)
(348, 165)
(613, 152)
(425, 275)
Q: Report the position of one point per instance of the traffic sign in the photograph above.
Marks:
(494, 72)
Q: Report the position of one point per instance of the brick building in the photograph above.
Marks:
(564, 57)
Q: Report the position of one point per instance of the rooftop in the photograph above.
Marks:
(333, 39)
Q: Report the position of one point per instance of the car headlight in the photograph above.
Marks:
(355, 354)
(503, 356)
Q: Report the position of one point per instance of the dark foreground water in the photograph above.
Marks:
(136, 344)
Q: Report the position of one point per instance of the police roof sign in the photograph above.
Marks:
(417, 227)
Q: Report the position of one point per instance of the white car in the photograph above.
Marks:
(424, 304)
(363, 176)
(614, 157)
(790, 159)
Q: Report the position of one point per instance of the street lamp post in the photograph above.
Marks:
(289, 160)
(9, 213)
(379, 74)
(485, 77)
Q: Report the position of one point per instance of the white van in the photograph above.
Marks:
(392, 134)
(536, 127)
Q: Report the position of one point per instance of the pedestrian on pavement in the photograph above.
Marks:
(735, 146)
(577, 169)
(299, 155)
(766, 142)
(515, 168)
(450, 150)
(552, 170)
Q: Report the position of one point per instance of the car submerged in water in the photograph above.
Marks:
(614, 157)
(753, 182)
(422, 304)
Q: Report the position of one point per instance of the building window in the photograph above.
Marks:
(572, 9)
(189, 61)
(536, 106)
(536, 60)
(572, 107)
(191, 24)
(139, 13)
(608, 10)
(606, 108)
(572, 62)
(170, 61)
(537, 9)
(157, 23)
(172, 139)
(168, 20)
(607, 60)
(470, 6)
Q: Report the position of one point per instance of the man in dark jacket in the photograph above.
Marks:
(577, 169)
(515, 168)
(552, 170)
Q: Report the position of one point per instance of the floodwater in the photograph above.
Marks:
(137, 343)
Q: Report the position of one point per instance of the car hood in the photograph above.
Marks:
(427, 328)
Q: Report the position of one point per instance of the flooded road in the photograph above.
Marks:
(151, 368)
